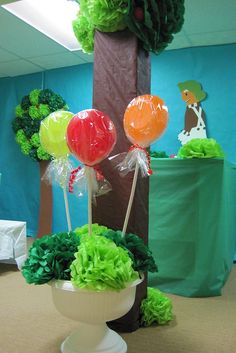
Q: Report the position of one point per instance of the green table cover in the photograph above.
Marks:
(192, 224)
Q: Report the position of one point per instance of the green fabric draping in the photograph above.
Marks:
(192, 225)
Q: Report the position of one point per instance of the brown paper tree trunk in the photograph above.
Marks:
(45, 207)
(121, 72)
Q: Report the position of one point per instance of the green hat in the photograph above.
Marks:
(194, 87)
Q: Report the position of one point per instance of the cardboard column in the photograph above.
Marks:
(45, 207)
(121, 72)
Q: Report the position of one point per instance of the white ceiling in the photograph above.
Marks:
(24, 50)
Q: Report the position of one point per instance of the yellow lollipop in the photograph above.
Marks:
(52, 133)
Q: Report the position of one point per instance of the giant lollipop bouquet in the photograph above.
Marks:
(95, 257)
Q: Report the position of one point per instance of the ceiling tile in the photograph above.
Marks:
(6, 56)
(19, 67)
(57, 60)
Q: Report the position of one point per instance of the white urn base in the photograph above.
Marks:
(94, 339)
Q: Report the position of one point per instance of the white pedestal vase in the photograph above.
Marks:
(93, 309)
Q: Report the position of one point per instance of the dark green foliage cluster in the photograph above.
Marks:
(29, 113)
(161, 19)
(158, 154)
(50, 257)
(153, 21)
(140, 254)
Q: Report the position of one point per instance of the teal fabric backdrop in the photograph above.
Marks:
(212, 66)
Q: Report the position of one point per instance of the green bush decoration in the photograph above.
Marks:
(156, 308)
(139, 253)
(34, 97)
(158, 154)
(50, 258)
(153, 22)
(101, 265)
(201, 148)
(33, 109)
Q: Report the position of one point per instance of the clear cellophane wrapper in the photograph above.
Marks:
(78, 183)
(58, 172)
(135, 155)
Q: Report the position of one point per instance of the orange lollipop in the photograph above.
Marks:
(145, 119)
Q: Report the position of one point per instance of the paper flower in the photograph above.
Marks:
(29, 114)
(96, 229)
(50, 257)
(156, 308)
(139, 253)
(101, 265)
(201, 148)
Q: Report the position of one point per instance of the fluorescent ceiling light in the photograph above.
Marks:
(51, 17)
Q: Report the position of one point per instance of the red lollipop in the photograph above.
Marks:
(91, 136)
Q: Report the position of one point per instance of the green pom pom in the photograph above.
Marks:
(84, 33)
(156, 308)
(201, 148)
(43, 155)
(101, 265)
(50, 257)
(139, 253)
(20, 137)
(34, 112)
(25, 148)
(17, 124)
(34, 96)
(44, 110)
(56, 102)
(19, 111)
(45, 95)
(25, 103)
(35, 141)
(96, 230)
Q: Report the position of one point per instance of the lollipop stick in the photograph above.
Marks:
(67, 209)
(131, 198)
(89, 180)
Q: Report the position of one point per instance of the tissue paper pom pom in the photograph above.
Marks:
(101, 265)
(35, 140)
(156, 308)
(25, 103)
(201, 148)
(34, 97)
(96, 230)
(25, 148)
(84, 33)
(44, 110)
(50, 257)
(42, 155)
(34, 112)
(20, 137)
(139, 253)
(19, 111)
